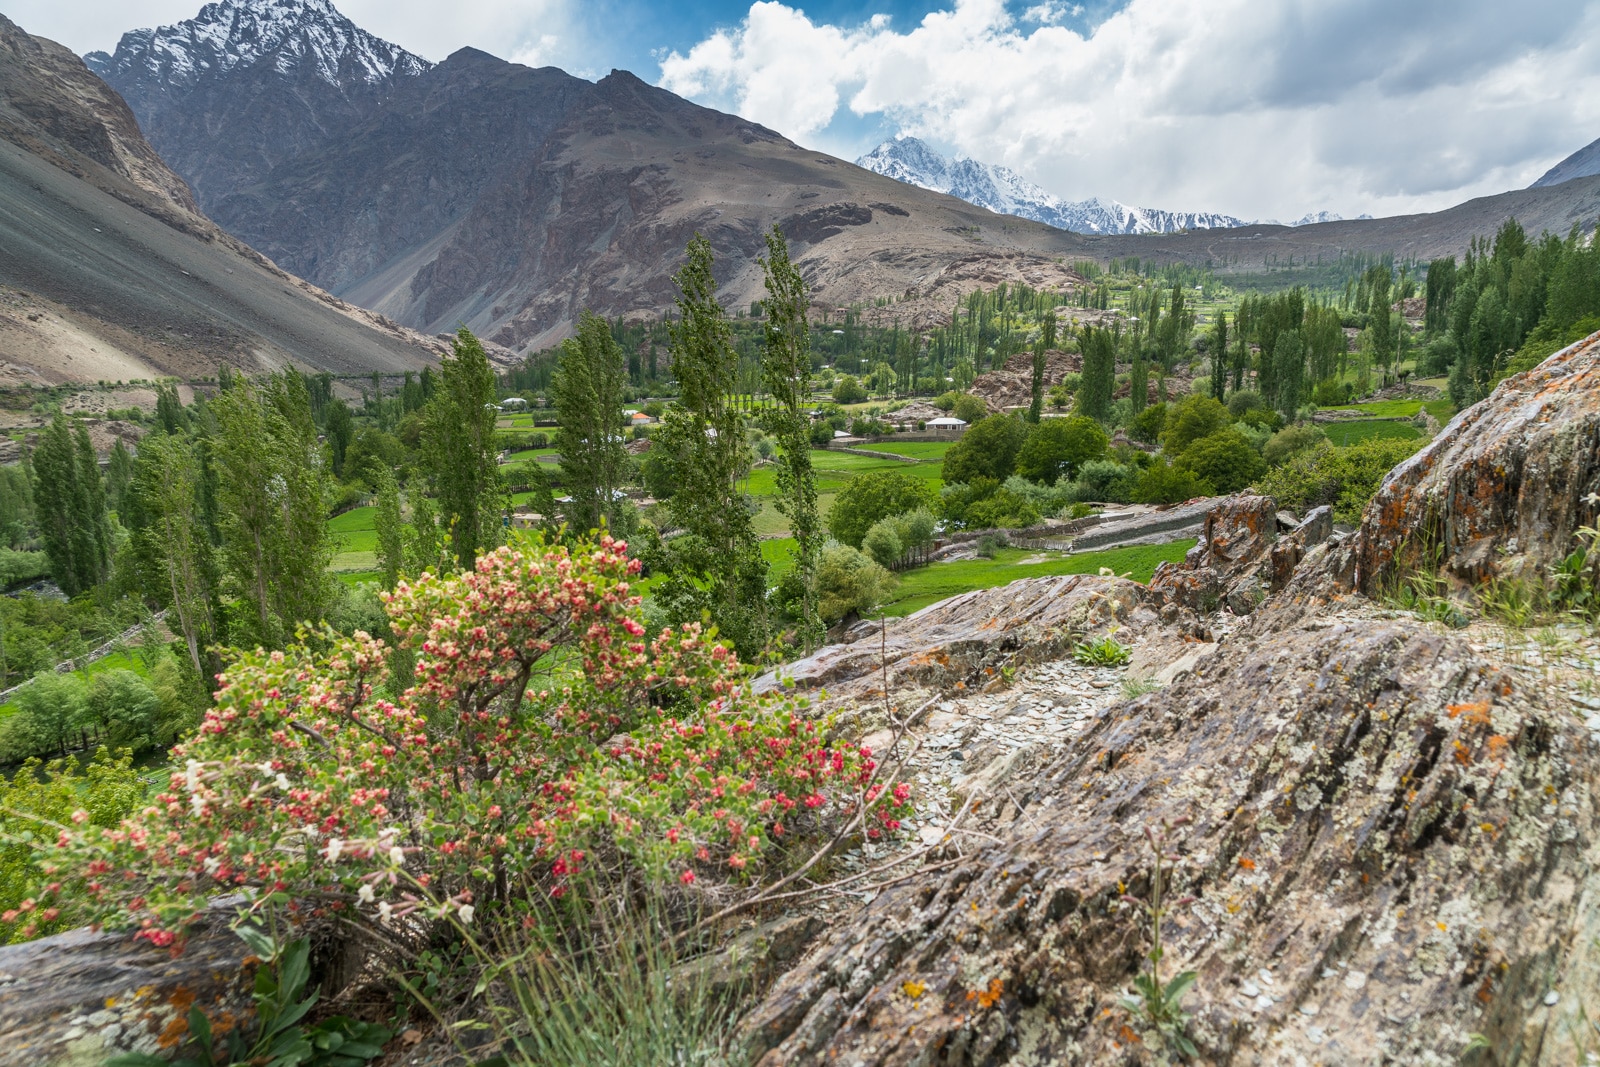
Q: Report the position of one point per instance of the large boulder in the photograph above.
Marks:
(1240, 559)
(1392, 846)
(1509, 479)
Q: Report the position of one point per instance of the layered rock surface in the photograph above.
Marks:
(1391, 831)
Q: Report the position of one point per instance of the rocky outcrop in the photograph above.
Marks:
(1389, 831)
(963, 642)
(76, 999)
(1240, 559)
(1505, 483)
(1390, 846)
(1011, 386)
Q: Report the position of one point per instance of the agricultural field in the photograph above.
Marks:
(1354, 432)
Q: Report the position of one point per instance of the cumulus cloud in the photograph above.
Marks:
(1253, 107)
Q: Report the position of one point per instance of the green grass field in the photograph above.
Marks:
(1350, 433)
(930, 450)
(922, 586)
(124, 661)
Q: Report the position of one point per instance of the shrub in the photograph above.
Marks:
(1163, 483)
(37, 800)
(1227, 461)
(987, 450)
(1291, 441)
(1057, 447)
(1190, 419)
(1345, 478)
(849, 583)
(947, 401)
(882, 543)
(1264, 418)
(990, 544)
(51, 715)
(1106, 652)
(866, 498)
(1104, 480)
(1002, 509)
(849, 391)
(126, 712)
(969, 408)
(1244, 400)
(1148, 424)
(543, 737)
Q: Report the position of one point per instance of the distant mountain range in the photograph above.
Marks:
(480, 192)
(1006, 192)
(1583, 163)
(108, 270)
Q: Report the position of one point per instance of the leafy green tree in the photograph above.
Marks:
(1289, 364)
(51, 714)
(341, 430)
(1166, 483)
(1217, 344)
(587, 389)
(1055, 448)
(1046, 341)
(849, 583)
(970, 409)
(1225, 460)
(987, 449)
(459, 450)
(718, 564)
(882, 543)
(1147, 426)
(1190, 419)
(1099, 373)
(272, 488)
(119, 474)
(170, 415)
(172, 544)
(125, 712)
(70, 506)
(847, 390)
(390, 527)
(786, 370)
(867, 498)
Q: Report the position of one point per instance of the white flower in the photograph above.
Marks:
(465, 912)
(335, 846)
(1592, 499)
(397, 855)
(198, 803)
(365, 894)
(385, 911)
(191, 775)
(211, 864)
(309, 830)
(283, 782)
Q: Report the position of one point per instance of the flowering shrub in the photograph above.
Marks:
(542, 738)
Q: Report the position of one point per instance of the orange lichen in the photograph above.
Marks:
(1247, 863)
(987, 998)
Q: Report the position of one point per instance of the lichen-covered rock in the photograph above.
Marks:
(1240, 559)
(1392, 847)
(1514, 475)
(81, 997)
(964, 640)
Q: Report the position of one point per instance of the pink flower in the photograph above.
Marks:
(687, 877)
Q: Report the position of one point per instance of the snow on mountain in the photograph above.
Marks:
(1003, 190)
(296, 37)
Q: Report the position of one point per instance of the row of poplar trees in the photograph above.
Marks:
(709, 564)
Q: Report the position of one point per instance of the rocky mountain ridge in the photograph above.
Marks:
(1583, 163)
(111, 272)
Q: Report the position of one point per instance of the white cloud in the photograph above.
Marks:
(1254, 107)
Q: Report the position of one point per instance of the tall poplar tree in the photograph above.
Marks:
(271, 496)
(174, 553)
(786, 369)
(587, 389)
(1219, 355)
(460, 452)
(390, 528)
(1099, 372)
(719, 567)
(1046, 341)
(70, 507)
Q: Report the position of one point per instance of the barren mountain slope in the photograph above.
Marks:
(107, 271)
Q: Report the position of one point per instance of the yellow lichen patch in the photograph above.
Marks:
(913, 988)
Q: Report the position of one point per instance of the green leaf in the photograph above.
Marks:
(260, 942)
(200, 1027)
(1179, 986)
(296, 967)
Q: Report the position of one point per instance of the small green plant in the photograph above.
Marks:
(1133, 688)
(280, 1038)
(1156, 1004)
(1575, 579)
(990, 543)
(1106, 652)
(1510, 601)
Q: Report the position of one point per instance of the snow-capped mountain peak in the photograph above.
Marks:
(297, 37)
(1003, 190)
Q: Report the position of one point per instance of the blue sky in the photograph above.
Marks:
(1258, 108)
